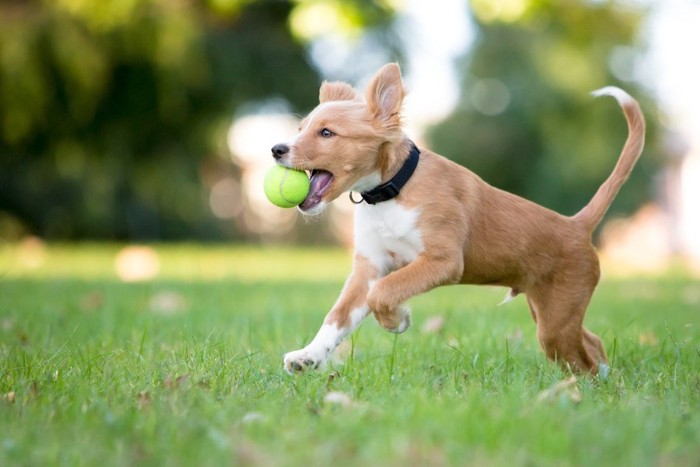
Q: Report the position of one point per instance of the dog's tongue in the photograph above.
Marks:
(320, 181)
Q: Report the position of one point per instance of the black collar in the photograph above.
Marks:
(390, 189)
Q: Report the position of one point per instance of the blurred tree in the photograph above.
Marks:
(113, 112)
(526, 122)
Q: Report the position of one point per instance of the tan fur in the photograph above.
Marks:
(354, 293)
(336, 91)
(472, 233)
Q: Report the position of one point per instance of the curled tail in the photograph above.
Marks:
(593, 212)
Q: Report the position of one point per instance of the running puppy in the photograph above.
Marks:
(424, 221)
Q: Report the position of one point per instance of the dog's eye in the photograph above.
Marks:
(326, 133)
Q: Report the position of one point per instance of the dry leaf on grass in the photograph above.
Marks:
(143, 399)
(338, 398)
(252, 417)
(331, 377)
(433, 325)
(167, 303)
(91, 301)
(566, 390)
(648, 338)
(8, 324)
(177, 382)
(516, 335)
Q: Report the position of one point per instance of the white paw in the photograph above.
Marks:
(405, 323)
(305, 359)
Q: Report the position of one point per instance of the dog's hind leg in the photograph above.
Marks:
(594, 346)
(559, 312)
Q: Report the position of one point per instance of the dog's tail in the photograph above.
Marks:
(593, 212)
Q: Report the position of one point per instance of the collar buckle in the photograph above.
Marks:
(382, 193)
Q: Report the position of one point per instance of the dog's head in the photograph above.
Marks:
(347, 142)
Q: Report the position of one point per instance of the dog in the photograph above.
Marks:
(424, 221)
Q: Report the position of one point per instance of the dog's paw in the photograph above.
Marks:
(398, 321)
(302, 360)
(404, 320)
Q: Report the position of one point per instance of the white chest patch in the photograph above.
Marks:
(387, 234)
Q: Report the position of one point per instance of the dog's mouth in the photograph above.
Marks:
(321, 181)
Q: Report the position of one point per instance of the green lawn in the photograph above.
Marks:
(185, 369)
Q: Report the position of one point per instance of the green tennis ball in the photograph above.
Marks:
(285, 187)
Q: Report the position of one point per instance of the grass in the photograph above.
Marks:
(185, 369)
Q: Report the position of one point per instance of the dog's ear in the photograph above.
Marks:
(385, 93)
(336, 91)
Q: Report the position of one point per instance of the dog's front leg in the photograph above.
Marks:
(387, 296)
(347, 313)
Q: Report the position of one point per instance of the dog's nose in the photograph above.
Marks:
(279, 150)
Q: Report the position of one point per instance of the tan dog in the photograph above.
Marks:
(446, 225)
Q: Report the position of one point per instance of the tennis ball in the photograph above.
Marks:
(285, 187)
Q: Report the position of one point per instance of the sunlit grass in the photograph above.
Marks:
(33, 259)
(185, 369)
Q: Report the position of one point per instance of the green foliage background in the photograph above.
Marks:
(552, 144)
(113, 114)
